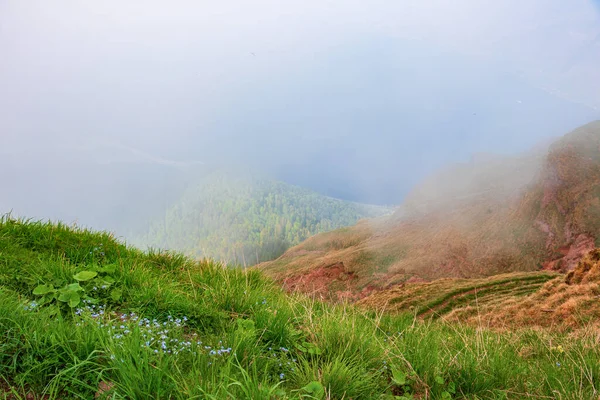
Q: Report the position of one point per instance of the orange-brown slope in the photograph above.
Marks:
(569, 301)
(510, 300)
(508, 214)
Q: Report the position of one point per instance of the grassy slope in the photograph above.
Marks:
(442, 296)
(478, 234)
(230, 333)
(538, 299)
(563, 302)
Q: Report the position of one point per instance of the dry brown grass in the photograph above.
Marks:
(569, 302)
(562, 302)
(587, 271)
(442, 297)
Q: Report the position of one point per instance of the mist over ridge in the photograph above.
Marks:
(107, 102)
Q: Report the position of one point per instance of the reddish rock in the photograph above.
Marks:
(571, 254)
(582, 245)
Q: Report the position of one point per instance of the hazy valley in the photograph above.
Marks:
(301, 200)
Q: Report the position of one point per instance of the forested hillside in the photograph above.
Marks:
(248, 219)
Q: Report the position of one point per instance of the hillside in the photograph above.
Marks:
(538, 299)
(511, 214)
(442, 296)
(245, 219)
(84, 316)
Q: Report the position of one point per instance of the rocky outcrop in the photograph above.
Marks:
(571, 254)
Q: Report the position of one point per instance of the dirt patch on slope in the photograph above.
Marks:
(321, 281)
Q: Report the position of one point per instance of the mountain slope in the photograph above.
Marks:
(247, 219)
(440, 297)
(521, 214)
(513, 300)
(84, 316)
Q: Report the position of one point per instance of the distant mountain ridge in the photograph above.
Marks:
(539, 210)
(245, 219)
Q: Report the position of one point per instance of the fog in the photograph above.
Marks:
(108, 106)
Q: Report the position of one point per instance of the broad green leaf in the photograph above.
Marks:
(42, 289)
(315, 388)
(74, 287)
(439, 380)
(90, 300)
(108, 269)
(85, 275)
(115, 294)
(65, 296)
(108, 280)
(74, 300)
(398, 377)
(246, 324)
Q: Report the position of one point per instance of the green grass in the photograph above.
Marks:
(233, 334)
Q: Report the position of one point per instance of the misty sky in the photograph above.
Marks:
(355, 99)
